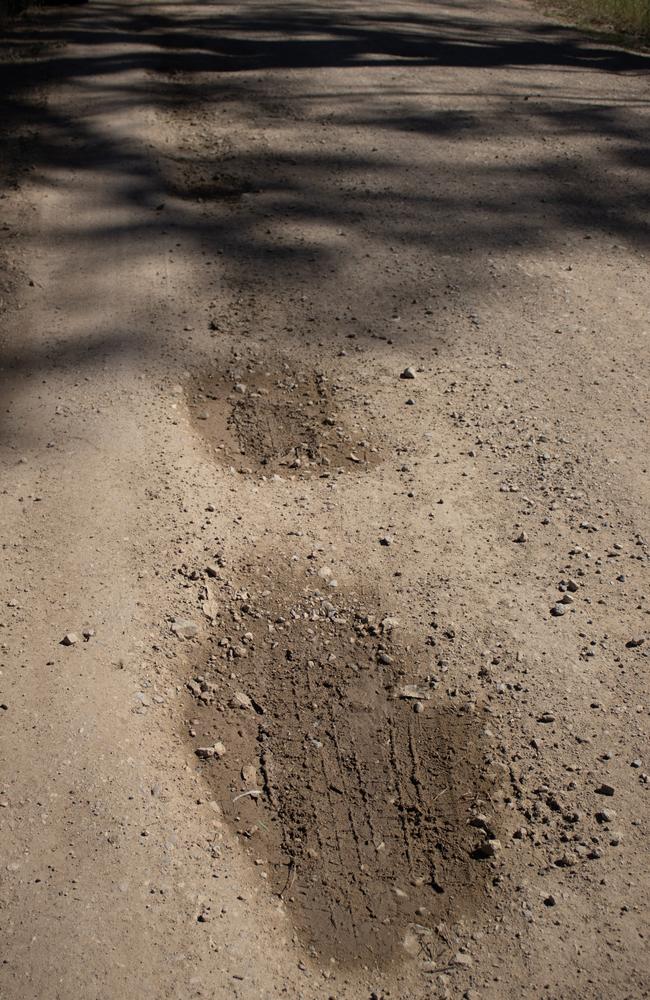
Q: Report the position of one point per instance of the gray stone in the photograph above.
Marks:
(184, 628)
(241, 700)
(208, 753)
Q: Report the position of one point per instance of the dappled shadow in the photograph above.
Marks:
(492, 167)
(76, 353)
(214, 37)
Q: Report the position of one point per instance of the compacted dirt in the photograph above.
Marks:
(324, 438)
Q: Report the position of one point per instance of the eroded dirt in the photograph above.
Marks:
(187, 178)
(416, 609)
(370, 807)
(274, 419)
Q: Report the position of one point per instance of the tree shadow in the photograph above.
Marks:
(246, 205)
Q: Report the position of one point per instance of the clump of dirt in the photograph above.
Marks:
(363, 797)
(281, 422)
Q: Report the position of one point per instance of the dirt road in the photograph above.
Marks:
(324, 628)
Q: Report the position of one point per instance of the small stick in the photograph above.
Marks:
(254, 794)
(291, 877)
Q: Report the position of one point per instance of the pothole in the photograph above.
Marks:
(187, 178)
(361, 796)
(280, 422)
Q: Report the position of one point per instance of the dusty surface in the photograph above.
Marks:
(356, 698)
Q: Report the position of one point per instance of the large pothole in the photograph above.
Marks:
(362, 797)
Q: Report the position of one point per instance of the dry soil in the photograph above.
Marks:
(324, 442)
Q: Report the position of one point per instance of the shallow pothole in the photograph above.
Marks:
(186, 177)
(280, 422)
(360, 794)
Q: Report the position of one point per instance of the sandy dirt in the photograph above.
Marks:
(324, 440)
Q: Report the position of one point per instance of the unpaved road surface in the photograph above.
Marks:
(324, 440)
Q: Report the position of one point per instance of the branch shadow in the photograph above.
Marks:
(209, 56)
